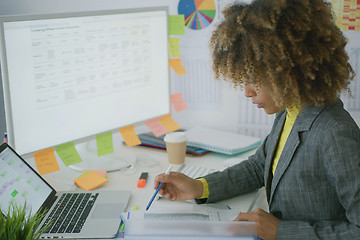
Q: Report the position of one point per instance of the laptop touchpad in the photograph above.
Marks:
(107, 211)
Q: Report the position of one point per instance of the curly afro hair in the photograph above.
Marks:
(292, 46)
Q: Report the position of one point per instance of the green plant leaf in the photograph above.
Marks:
(21, 225)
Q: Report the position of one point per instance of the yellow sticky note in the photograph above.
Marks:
(129, 135)
(169, 123)
(176, 25)
(177, 66)
(178, 102)
(174, 47)
(68, 154)
(104, 143)
(46, 161)
(156, 127)
(90, 180)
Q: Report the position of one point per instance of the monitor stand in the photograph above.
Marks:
(91, 161)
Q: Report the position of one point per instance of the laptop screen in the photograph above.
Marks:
(19, 182)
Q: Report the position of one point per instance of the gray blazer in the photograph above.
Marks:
(315, 190)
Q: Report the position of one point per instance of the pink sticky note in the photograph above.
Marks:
(156, 127)
(178, 102)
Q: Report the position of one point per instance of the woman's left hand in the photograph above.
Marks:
(266, 224)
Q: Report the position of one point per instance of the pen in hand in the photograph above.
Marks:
(158, 188)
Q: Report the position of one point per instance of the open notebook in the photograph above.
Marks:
(220, 141)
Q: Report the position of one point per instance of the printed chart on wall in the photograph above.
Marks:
(348, 20)
(199, 88)
(347, 14)
(198, 14)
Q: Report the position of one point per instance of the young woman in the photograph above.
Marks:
(289, 57)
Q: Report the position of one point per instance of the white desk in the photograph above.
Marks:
(127, 180)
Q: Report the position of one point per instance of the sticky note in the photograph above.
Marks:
(177, 66)
(156, 127)
(90, 180)
(169, 123)
(129, 135)
(104, 143)
(174, 47)
(46, 161)
(176, 25)
(178, 102)
(68, 154)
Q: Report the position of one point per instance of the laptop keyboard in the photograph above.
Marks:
(70, 212)
(195, 171)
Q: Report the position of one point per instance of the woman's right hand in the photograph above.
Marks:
(178, 186)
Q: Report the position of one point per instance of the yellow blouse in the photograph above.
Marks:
(289, 122)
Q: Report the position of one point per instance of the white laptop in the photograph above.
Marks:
(88, 215)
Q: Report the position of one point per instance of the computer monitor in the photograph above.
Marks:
(71, 76)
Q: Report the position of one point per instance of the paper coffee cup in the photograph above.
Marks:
(176, 147)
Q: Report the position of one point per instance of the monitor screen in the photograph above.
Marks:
(74, 75)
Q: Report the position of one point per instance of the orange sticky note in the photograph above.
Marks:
(46, 161)
(129, 135)
(178, 102)
(90, 180)
(169, 123)
(177, 66)
(156, 127)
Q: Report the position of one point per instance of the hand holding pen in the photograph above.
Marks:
(158, 188)
(178, 186)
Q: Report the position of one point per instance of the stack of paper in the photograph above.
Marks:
(221, 141)
(187, 223)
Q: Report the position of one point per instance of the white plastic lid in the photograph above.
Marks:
(175, 137)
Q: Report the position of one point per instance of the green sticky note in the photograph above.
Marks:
(84, 173)
(104, 143)
(14, 193)
(174, 47)
(176, 25)
(68, 154)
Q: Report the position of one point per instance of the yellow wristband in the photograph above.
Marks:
(205, 188)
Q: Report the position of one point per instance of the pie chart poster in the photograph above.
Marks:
(198, 13)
